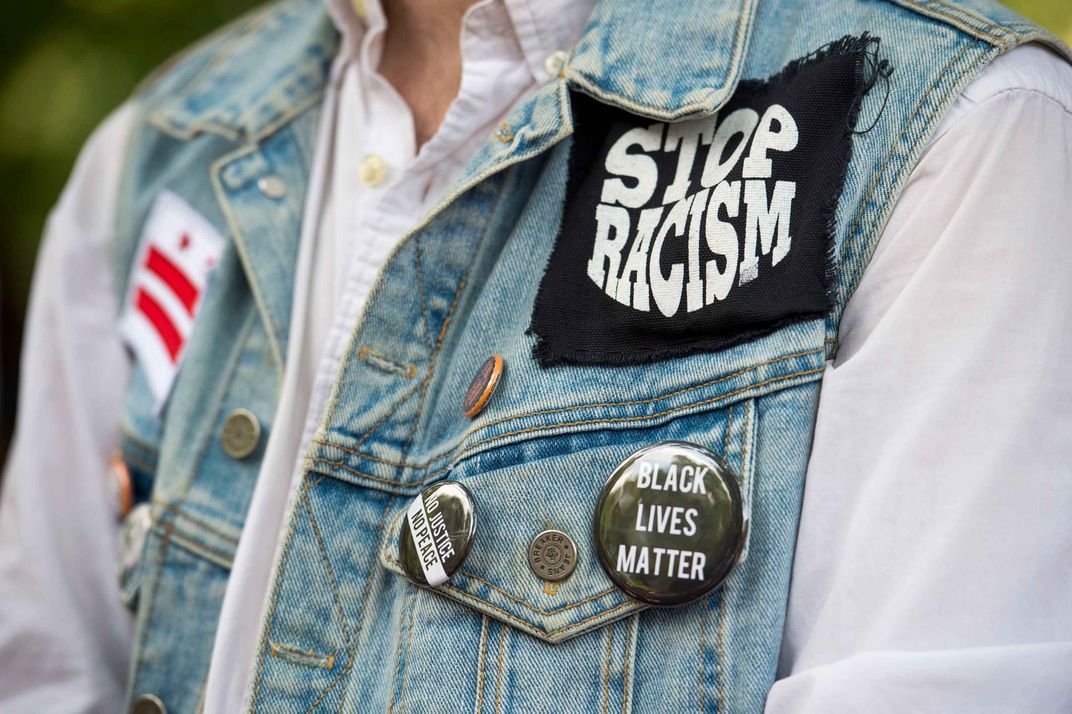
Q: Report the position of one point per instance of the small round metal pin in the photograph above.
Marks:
(437, 532)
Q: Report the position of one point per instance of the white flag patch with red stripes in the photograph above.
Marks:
(178, 251)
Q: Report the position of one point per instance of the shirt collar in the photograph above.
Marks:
(539, 27)
(628, 55)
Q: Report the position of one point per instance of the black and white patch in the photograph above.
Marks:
(698, 235)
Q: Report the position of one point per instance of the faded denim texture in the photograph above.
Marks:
(344, 630)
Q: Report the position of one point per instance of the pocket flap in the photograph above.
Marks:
(525, 488)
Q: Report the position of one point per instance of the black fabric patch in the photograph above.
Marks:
(669, 246)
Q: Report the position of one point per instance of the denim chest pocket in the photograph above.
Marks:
(544, 469)
(554, 482)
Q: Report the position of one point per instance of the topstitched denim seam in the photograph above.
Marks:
(544, 412)
(705, 604)
(330, 686)
(530, 606)
(241, 27)
(852, 249)
(149, 603)
(960, 19)
(413, 619)
(862, 206)
(434, 357)
(630, 633)
(406, 396)
(298, 655)
(481, 649)
(905, 166)
(385, 364)
(193, 545)
(292, 113)
(422, 296)
(616, 420)
(204, 433)
(275, 341)
(499, 667)
(745, 19)
(606, 668)
(465, 594)
(314, 525)
(719, 652)
(303, 502)
(182, 514)
(533, 625)
(158, 117)
(992, 28)
(432, 351)
(278, 570)
(719, 670)
(306, 148)
(373, 571)
(405, 622)
(521, 601)
(345, 680)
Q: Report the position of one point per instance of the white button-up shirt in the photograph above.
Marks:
(933, 569)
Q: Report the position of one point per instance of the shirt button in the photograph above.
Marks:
(554, 63)
(483, 386)
(272, 186)
(552, 555)
(240, 434)
(148, 704)
(372, 169)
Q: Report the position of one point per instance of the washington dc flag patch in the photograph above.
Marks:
(178, 251)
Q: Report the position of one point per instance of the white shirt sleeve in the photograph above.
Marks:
(64, 635)
(933, 568)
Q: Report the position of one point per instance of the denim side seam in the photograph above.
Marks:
(860, 241)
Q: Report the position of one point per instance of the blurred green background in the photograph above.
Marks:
(64, 64)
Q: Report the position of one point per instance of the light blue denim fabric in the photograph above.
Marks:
(344, 630)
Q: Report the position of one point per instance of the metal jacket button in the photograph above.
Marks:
(240, 434)
(554, 63)
(483, 386)
(552, 555)
(148, 704)
(272, 186)
(438, 530)
(669, 523)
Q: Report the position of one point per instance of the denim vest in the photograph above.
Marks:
(344, 630)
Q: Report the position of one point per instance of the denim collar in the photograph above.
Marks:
(628, 55)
